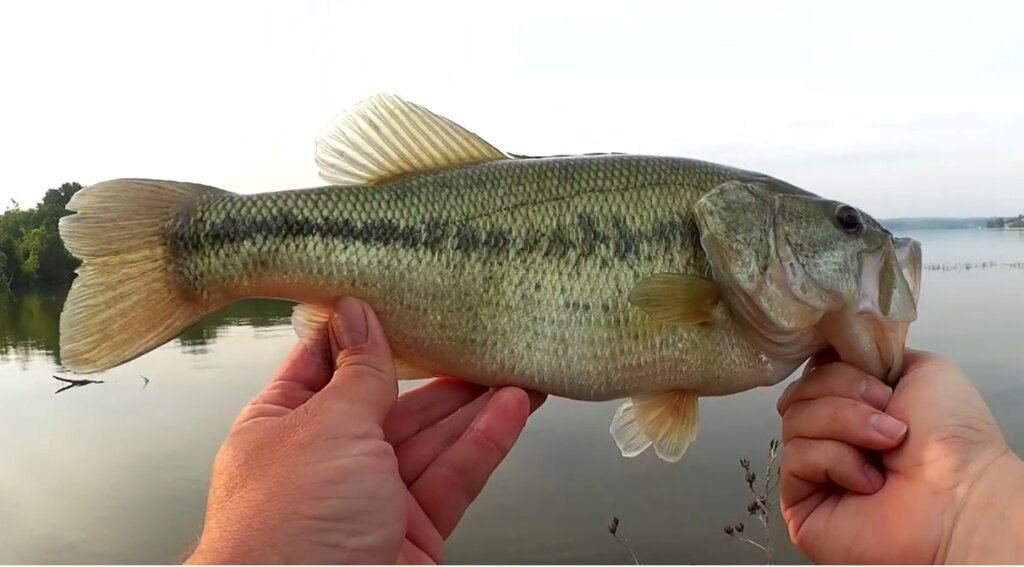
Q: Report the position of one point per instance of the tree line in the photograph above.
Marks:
(31, 252)
(1005, 222)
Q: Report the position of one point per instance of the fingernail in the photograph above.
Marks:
(349, 323)
(887, 426)
(875, 478)
(875, 393)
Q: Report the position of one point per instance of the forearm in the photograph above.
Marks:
(990, 527)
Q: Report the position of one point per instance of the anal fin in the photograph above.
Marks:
(409, 371)
(667, 421)
(310, 324)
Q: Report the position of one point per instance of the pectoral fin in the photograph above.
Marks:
(667, 421)
(310, 324)
(676, 298)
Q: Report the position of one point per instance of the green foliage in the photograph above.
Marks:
(31, 251)
(5, 280)
(1006, 222)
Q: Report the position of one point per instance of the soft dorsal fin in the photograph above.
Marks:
(384, 137)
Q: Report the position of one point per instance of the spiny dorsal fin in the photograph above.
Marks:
(384, 137)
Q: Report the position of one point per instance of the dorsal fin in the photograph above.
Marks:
(384, 137)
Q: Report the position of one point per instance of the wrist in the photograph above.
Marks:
(989, 527)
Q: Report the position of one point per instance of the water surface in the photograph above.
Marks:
(117, 472)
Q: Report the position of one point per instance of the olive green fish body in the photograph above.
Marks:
(592, 277)
(510, 272)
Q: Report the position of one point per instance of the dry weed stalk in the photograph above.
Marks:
(613, 528)
(760, 507)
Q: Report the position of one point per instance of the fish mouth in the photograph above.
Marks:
(872, 333)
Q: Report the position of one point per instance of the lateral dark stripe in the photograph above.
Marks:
(584, 237)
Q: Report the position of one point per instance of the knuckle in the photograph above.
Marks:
(794, 448)
(784, 399)
(369, 366)
(830, 417)
(799, 419)
(490, 448)
(839, 375)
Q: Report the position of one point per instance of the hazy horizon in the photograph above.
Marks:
(905, 110)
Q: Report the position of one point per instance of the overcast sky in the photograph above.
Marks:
(901, 108)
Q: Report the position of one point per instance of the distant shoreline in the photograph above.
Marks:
(949, 223)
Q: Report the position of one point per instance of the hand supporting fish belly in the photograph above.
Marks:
(590, 277)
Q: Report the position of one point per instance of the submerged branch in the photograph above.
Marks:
(72, 383)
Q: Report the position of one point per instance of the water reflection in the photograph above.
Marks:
(30, 323)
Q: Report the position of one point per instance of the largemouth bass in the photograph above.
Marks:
(594, 277)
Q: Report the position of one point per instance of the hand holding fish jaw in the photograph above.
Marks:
(944, 485)
(330, 466)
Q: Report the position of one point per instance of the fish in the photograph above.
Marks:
(654, 280)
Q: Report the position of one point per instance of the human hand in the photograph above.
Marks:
(332, 466)
(858, 486)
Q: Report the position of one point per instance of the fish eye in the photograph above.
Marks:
(849, 219)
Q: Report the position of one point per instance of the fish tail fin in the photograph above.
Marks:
(126, 299)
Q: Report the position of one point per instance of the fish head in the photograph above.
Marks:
(804, 272)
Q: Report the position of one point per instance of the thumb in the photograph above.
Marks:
(364, 381)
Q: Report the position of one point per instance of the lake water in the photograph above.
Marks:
(117, 472)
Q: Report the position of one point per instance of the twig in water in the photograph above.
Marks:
(613, 528)
(761, 506)
(74, 383)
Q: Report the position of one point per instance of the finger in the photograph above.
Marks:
(422, 407)
(836, 379)
(296, 379)
(419, 451)
(914, 360)
(809, 464)
(364, 383)
(845, 420)
(451, 483)
(816, 360)
(420, 531)
(302, 366)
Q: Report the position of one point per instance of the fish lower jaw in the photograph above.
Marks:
(873, 345)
